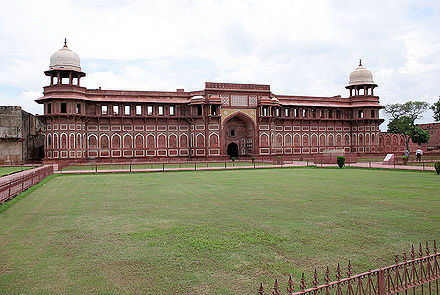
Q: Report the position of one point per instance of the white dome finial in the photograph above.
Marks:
(361, 76)
(65, 59)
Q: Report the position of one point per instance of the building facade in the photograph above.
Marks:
(221, 120)
(21, 137)
(434, 139)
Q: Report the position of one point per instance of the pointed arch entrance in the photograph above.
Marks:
(232, 150)
(238, 135)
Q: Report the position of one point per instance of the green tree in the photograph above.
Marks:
(402, 121)
(436, 109)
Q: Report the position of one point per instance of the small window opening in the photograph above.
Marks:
(213, 110)
(63, 107)
(160, 110)
(171, 110)
(199, 110)
(138, 110)
(104, 110)
(150, 110)
(127, 110)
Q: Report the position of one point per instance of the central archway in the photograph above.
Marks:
(238, 129)
(232, 150)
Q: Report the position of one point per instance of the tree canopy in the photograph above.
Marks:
(402, 121)
(436, 109)
(410, 109)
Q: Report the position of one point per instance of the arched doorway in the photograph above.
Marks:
(238, 134)
(232, 150)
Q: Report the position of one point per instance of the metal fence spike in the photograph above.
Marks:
(303, 283)
(261, 289)
(276, 290)
(315, 279)
(327, 276)
(349, 269)
(420, 250)
(338, 272)
(404, 256)
(427, 248)
(290, 286)
(413, 253)
(396, 259)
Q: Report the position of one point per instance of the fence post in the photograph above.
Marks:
(369, 164)
(423, 164)
(195, 165)
(130, 167)
(225, 165)
(381, 282)
(163, 166)
(96, 168)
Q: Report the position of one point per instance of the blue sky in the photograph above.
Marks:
(298, 47)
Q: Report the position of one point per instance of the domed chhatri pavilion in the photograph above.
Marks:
(223, 119)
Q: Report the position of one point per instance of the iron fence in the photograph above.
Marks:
(417, 274)
(19, 183)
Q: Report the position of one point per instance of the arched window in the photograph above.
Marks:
(305, 140)
(92, 142)
(128, 141)
(264, 140)
(139, 142)
(213, 141)
(116, 142)
(173, 141)
(104, 142)
(183, 141)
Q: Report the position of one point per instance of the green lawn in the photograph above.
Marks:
(212, 232)
(159, 166)
(12, 169)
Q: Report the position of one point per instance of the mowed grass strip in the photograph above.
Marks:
(212, 232)
(13, 169)
(161, 166)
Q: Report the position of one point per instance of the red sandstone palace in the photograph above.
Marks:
(223, 119)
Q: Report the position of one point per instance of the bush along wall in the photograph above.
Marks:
(341, 161)
(437, 167)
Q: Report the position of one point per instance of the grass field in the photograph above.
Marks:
(159, 166)
(212, 232)
(12, 169)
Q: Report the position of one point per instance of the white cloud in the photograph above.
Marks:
(298, 47)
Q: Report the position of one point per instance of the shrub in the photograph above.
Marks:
(253, 159)
(341, 161)
(278, 157)
(437, 167)
(233, 159)
(405, 160)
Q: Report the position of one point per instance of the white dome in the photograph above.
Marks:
(361, 76)
(65, 59)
